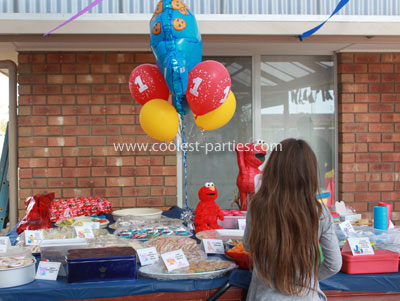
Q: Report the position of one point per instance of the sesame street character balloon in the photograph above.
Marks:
(176, 44)
(249, 158)
(207, 211)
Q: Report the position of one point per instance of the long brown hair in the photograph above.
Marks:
(284, 214)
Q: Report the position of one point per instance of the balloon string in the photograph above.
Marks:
(184, 149)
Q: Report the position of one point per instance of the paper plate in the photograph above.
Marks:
(148, 213)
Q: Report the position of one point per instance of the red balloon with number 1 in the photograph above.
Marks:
(209, 87)
(146, 83)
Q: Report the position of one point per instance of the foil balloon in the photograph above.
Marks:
(176, 44)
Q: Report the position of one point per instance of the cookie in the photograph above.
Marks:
(157, 28)
(179, 24)
(178, 4)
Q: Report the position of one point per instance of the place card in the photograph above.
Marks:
(33, 237)
(358, 246)
(84, 232)
(241, 224)
(213, 246)
(4, 244)
(147, 256)
(48, 270)
(347, 228)
(175, 260)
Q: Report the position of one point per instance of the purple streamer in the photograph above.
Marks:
(83, 11)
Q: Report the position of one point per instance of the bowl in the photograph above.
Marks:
(18, 276)
(146, 213)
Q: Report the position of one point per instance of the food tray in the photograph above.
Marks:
(78, 221)
(223, 234)
(155, 272)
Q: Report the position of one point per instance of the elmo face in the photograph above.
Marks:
(255, 156)
(208, 192)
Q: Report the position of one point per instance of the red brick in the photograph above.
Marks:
(346, 97)
(117, 78)
(391, 137)
(354, 187)
(368, 137)
(32, 162)
(24, 111)
(120, 57)
(381, 88)
(75, 68)
(127, 68)
(353, 108)
(346, 118)
(119, 99)
(159, 191)
(346, 158)
(91, 140)
(149, 181)
(146, 57)
(76, 130)
(46, 89)
(367, 98)
(91, 120)
(390, 58)
(391, 77)
(105, 89)
(346, 138)
(105, 131)
(132, 130)
(28, 183)
(62, 120)
(370, 117)
(343, 147)
(149, 160)
(380, 68)
(60, 79)
(62, 162)
(397, 108)
(130, 109)
(120, 119)
(381, 108)
(61, 141)
(390, 117)
(171, 160)
(368, 157)
(46, 68)
(61, 99)
(24, 89)
(90, 99)
(353, 167)
(90, 161)
(76, 192)
(90, 57)
(135, 191)
(61, 57)
(47, 172)
(353, 127)
(76, 151)
(368, 177)
(134, 171)
(46, 110)
(346, 58)
(24, 173)
(24, 68)
(75, 172)
(75, 110)
(120, 161)
(105, 172)
(346, 178)
(104, 68)
(107, 192)
(75, 89)
(64, 182)
(47, 152)
(31, 58)
(381, 147)
(24, 131)
(170, 181)
(360, 207)
(367, 197)
(31, 79)
(90, 79)
(390, 196)
(163, 170)
(31, 100)
(390, 177)
(366, 57)
(149, 202)
(32, 120)
(346, 78)
(385, 186)
(120, 181)
(393, 157)
(374, 167)
(112, 110)
(354, 88)
(381, 127)
(32, 141)
(91, 182)
(367, 78)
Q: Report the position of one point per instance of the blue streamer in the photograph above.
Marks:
(312, 31)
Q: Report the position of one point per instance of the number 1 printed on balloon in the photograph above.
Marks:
(196, 81)
(226, 91)
(142, 87)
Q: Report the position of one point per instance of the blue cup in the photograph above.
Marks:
(380, 218)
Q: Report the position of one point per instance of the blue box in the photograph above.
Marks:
(101, 264)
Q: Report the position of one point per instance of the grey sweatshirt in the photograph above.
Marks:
(332, 263)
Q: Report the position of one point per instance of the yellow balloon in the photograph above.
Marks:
(159, 120)
(219, 117)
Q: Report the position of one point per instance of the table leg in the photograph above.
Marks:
(220, 292)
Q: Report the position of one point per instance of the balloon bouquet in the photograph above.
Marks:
(204, 86)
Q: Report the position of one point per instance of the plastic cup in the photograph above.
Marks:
(380, 217)
(389, 208)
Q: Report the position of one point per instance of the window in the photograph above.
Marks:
(296, 101)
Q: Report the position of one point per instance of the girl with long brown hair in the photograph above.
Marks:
(287, 228)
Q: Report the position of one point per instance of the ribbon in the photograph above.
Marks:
(312, 31)
(83, 11)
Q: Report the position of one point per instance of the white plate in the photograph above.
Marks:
(149, 213)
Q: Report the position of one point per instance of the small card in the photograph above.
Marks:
(84, 232)
(347, 228)
(213, 246)
(4, 244)
(48, 270)
(175, 260)
(92, 225)
(241, 224)
(33, 237)
(147, 256)
(358, 246)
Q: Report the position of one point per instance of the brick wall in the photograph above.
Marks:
(369, 130)
(72, 107)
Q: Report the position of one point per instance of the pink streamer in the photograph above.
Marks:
(83, 11)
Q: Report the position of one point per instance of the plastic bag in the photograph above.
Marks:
(37, 213)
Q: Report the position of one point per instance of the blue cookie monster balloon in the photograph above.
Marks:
(176, 44)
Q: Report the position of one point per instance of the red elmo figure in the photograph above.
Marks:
(208, 211)
(250, 157)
